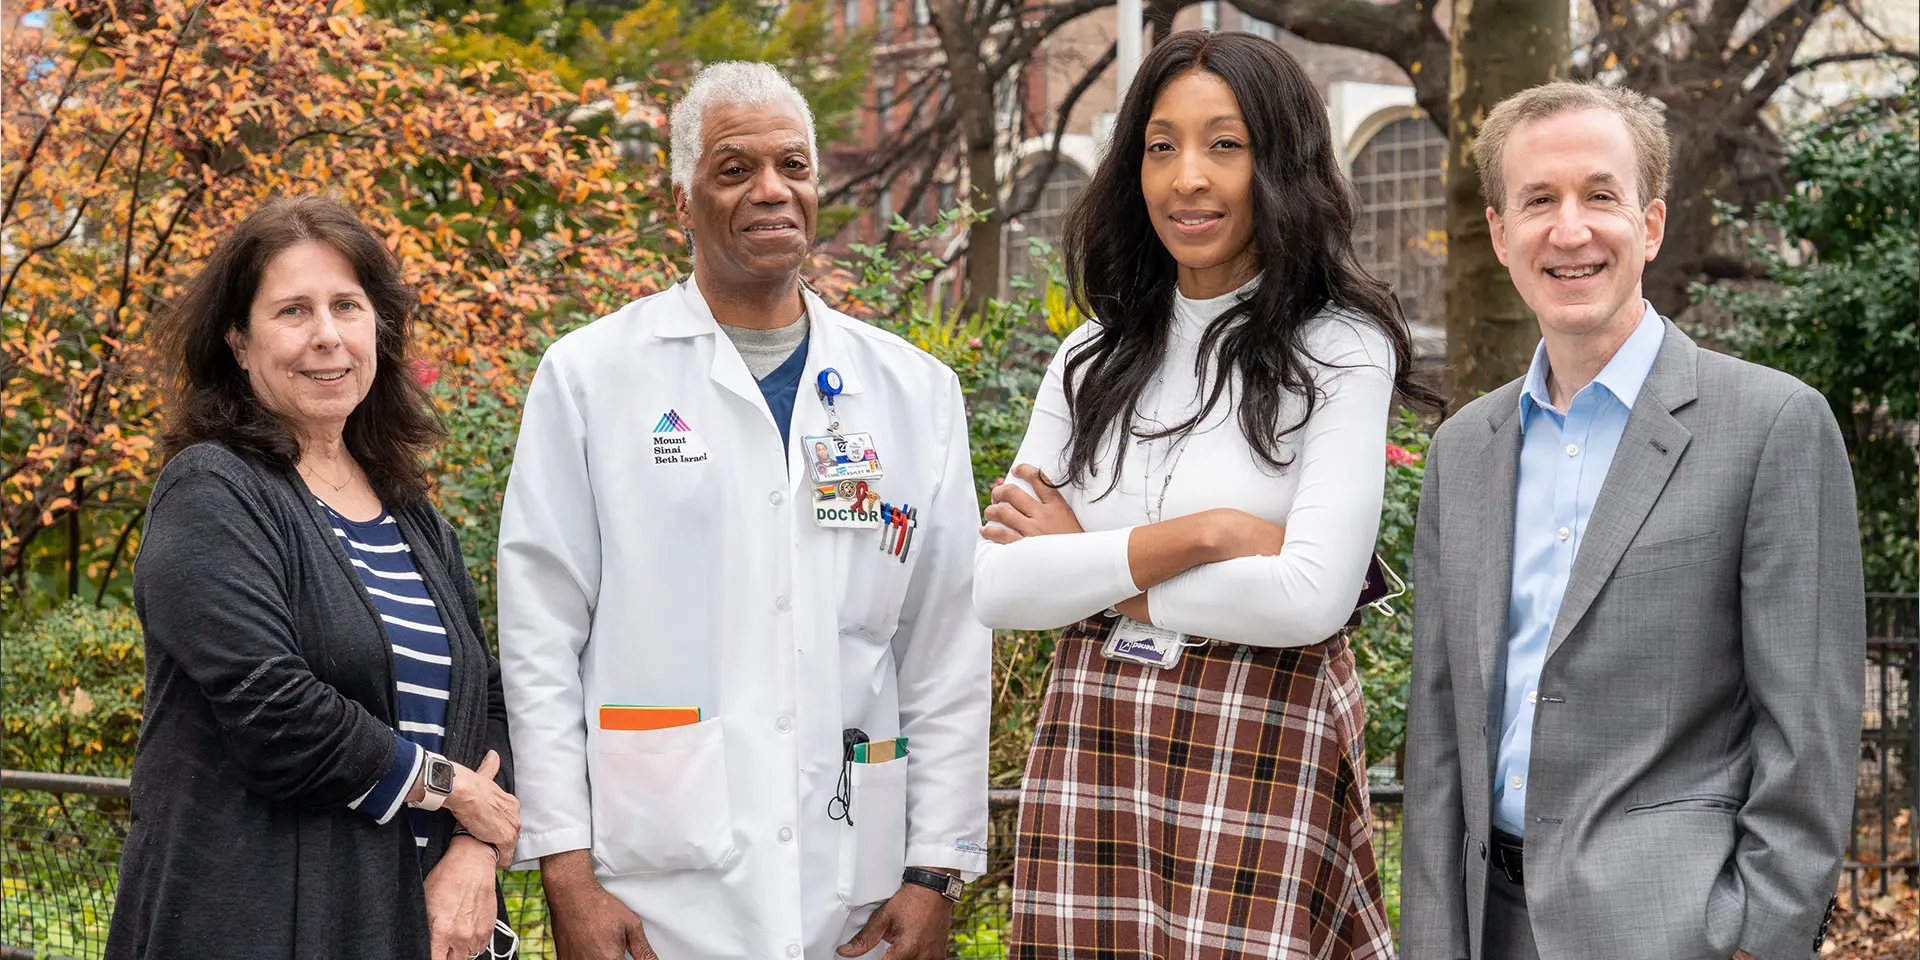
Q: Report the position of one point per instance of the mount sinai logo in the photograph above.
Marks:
(675, 442)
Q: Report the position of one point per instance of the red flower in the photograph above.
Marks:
(1399, 456)
(425, 372)
(973, 342)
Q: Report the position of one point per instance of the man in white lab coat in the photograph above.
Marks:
(698, 612)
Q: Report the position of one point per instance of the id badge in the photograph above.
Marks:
(849, 504)
(846, 456)
(1143, 643)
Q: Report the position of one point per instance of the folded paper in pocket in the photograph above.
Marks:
(880, 751)
(614, 716)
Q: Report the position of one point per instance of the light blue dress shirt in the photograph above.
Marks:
(1564, 458)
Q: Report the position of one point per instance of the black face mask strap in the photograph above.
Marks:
(840, 805)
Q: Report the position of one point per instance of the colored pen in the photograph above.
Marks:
(913, 520)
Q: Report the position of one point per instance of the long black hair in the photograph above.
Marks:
(1303, 219)
(208, 396)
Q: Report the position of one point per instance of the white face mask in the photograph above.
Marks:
(500, 931)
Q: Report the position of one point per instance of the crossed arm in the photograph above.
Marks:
(1156, 552)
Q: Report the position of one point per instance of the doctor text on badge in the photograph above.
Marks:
(842, 513)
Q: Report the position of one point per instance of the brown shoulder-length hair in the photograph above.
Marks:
(208, 397)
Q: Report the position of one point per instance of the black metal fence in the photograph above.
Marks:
(1887, 795)
(61, 835)
(61, 839)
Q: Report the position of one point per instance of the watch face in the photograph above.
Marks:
(440, 776)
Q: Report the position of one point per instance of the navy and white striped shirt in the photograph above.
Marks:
(422, 660)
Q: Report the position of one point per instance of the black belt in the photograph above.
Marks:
(1507, 855)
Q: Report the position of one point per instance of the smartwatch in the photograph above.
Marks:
(437, 777)
(945, 884)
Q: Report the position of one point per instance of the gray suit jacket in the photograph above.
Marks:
(1693, 766)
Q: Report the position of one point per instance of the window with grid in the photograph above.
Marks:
(850, 14)
(1400, 176)
(1047, 218)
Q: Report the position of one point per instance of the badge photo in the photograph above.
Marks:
(837, 457)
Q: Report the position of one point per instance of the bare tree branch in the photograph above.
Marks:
(40, 136)
(1020, 205)
(1852, 7)
(1858, 56)
(1717, 31)
(1778, 37)
(1404, 32)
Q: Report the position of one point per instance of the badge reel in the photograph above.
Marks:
(844, 467)
(1144, 643)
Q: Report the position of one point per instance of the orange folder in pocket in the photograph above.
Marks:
(614, 716)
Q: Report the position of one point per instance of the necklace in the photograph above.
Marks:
(315, 471)
(1178, 449)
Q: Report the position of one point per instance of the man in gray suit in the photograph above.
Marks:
(1639, 632)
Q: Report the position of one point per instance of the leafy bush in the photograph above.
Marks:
(74, 681)
(1842, 307)
(1382, 645)
(480, 405)
(162, 122)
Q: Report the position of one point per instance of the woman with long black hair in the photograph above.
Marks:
(1197, 496)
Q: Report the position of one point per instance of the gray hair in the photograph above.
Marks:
(733, 82)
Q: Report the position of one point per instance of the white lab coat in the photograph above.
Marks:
(696, 576)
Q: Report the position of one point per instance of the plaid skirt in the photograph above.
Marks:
(1214, 809)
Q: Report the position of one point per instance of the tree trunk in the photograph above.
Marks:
(1706, 167)
(973, 89)
(984, 238)
(1500, 47)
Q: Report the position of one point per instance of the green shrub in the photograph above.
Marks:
(74, 680)
(1382, 645)
(1842, 310)
(480, 405)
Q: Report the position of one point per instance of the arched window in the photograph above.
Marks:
(1048, 216)
(1400, 175)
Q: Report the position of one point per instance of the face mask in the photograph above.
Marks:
(502, 932)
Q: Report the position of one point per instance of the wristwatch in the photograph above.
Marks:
(437, 778)
(945, 884)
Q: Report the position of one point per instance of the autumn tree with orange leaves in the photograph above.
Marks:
(136, 141)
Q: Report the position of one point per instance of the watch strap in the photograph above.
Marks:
(431, 799)
(460, 830)
(945, 884)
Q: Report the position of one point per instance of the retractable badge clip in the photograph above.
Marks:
(830, 384)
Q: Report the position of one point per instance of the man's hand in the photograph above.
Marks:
(1021, 515)
(588, 922)
(914, 922)
(460, 907)
(1743, 955)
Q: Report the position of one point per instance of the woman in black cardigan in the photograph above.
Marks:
(323, 770)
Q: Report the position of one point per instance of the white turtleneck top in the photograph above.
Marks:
(1328, 497)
